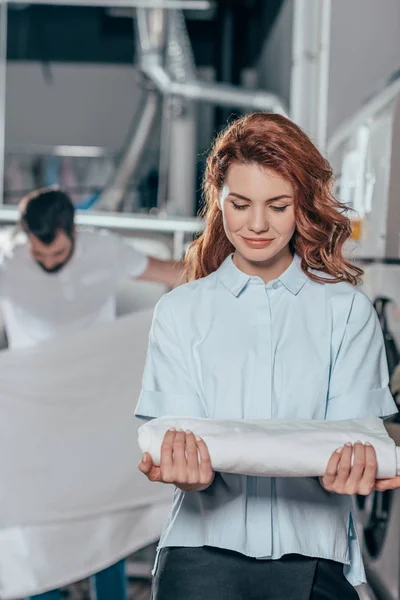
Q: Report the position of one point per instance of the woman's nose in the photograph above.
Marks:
(258, 221)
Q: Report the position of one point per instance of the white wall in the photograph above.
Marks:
(275, 62)
(365, 51)
(83, 105)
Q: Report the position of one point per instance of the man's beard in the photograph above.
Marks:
(57, 268)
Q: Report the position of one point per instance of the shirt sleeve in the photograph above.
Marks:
(359, 377)
(167, 387)
(130, 262)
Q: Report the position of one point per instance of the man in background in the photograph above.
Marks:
(61, 280)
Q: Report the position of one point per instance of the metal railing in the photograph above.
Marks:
(61, 150)
(178, 228)
(168, 4)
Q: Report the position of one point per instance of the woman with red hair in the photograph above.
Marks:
(270, 325)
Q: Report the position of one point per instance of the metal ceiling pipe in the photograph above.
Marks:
(180, 63)
(223, 94)
(112, 196)
(152, 25)
(151, 63)
(178, 81)
(220, 94)
(180, 147)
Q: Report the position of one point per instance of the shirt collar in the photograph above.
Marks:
(236, 280)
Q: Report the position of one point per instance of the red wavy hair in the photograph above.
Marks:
(322, 227)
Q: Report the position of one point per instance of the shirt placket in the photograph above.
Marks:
(260, 492)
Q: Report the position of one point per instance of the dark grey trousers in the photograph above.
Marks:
(213, 574)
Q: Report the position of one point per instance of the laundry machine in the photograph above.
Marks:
(365, 155)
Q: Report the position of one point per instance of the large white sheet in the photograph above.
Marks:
(72, 500)
(276, 448)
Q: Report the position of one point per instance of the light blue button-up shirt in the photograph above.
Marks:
(230, 346)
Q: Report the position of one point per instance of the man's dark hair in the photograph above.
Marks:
(46, 214)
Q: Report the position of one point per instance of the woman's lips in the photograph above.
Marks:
(257, 242)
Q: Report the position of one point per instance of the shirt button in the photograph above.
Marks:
(274, 286)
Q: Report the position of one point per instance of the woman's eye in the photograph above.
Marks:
(279, 208)
(239, 206)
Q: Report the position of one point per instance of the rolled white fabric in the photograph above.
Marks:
(276, 448)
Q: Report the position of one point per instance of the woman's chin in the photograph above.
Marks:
(256, 255)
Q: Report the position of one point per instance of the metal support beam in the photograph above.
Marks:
(310, 71)
(121, 222)
(168, 4)
(70, 151)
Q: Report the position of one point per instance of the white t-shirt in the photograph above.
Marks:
(37, 305)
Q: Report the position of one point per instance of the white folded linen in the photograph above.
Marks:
(34, 559)
(276, 448)
(67, 436)
(72, 500)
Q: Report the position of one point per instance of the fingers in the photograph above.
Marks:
(344, 466)
(331, 470)
(357, 470)
(382, 485)
(338, 470)
(166, 462)
(192, 458)
(179, 458)
(179, 463)
(206, 471)
(146, 463)
(147, 468)
(351, 470)
(367, 482)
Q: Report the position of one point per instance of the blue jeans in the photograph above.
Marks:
(109, 584)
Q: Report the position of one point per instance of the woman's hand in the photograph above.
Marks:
(381, 485)
(185, 462)
(343, 478)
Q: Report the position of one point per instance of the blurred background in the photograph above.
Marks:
(118, 101)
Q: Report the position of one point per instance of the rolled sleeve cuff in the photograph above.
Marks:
(358, 405)
(161, 404)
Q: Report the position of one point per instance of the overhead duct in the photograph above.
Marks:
(180, 63)
(165, 57)
(153, 39)
(173, 73)
(151, 62)
(178, 149)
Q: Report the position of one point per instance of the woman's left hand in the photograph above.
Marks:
(346, 476)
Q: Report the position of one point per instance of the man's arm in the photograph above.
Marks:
(169, 272)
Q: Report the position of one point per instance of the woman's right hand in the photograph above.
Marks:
(185, 462)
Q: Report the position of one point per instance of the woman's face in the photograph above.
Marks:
(258, 212)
